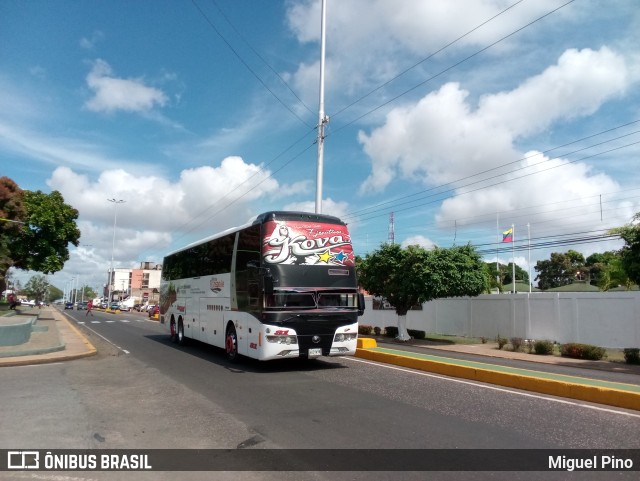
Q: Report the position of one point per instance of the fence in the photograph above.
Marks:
(606, 319)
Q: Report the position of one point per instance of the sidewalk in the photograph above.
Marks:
(55, 339)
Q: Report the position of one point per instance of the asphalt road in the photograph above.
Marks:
(143, 392)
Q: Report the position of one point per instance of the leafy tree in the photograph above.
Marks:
(11, 213)
(559, 270)
(505, 274)
(42, 243)
(406, 277)
(36, 288)
(630, 253)
(597, 264)
(54, 293)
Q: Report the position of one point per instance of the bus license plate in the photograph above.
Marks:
(315, 352)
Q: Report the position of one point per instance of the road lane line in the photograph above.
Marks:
(110, 342)
(493, 388)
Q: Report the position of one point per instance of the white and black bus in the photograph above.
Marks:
(282, 286)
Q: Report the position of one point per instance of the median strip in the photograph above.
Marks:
(592, 390)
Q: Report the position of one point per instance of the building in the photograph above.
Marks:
(140, 285)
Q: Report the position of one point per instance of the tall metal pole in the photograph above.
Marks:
(113, 242)
(529, 234)
(321, 116)
(513, 256)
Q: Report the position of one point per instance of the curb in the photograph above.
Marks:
(611, 397)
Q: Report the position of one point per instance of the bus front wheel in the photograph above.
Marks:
(231, 344)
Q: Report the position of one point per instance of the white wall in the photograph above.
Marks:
(606, 319)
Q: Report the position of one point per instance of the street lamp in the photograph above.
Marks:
(113, 244)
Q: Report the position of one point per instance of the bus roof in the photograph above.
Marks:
(274, 215)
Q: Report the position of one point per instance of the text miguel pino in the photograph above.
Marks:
(593, 463)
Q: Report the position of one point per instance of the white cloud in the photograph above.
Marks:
(329, 207)
(370, 41)
(112, 93)
(89, 43)
(418, 240)
(442, 138)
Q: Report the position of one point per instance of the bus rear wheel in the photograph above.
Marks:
(231, 344)
(174, 334)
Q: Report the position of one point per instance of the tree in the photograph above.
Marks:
(11, 213)
(559, 270)
(54, 294)
(411, 276)
(505, 274)
(630, 253)
(42, 243)
(37, 288)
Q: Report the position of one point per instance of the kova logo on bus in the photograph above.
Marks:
(304, 243)
(216, 285)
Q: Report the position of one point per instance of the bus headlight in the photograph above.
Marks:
(345, 336)
(288, 340)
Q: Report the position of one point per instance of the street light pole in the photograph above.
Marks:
(113, 243)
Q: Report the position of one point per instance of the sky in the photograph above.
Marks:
(457, 118)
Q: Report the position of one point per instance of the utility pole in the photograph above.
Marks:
(322, 118)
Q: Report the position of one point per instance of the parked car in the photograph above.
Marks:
(137, 307)
(114, 306)
(124, 308)
(68, 305)
(82, 306)
(103, 305)
(154, 310)
(28, 303)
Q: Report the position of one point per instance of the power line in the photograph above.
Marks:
(442, 72)
(215, 29)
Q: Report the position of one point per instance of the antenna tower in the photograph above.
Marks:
(392, 229)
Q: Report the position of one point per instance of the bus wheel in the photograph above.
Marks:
(181, 338)
(174, 334)
(231, 344)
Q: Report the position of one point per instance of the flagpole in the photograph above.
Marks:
(497, 250)
(529, 233)
(513, 256)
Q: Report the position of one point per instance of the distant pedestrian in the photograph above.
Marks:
(12, 300)
(89, 308)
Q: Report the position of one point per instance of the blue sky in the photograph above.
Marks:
(460, 117)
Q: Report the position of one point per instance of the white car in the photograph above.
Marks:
(29, 303)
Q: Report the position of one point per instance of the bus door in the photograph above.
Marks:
(192, 318)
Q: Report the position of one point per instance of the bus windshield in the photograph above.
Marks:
(310, 300)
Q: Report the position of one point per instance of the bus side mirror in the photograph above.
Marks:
(360, 303)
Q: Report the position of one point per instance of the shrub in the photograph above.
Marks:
(483, 339)
(582, 351)
(530, 345)
(516, 343)
(502, 341)
(543, 347)
(391, 331)
(416, 334)
(364, 329)
(377, 331)
(632, 355)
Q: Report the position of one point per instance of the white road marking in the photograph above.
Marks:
(494, 388)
